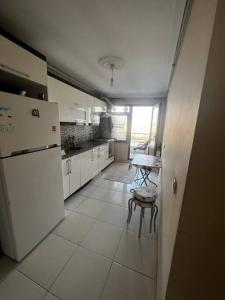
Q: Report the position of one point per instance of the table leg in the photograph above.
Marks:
(148, 172)
(143, 177)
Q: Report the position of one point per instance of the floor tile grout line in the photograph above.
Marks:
(107, 276)
(48, 289)
(61, 270)
(112, 259)
(51, 294)
(25, 275)
(123, 227)
(82, 246)
(95, 220)
(149, 237)
(78, 244)
(105, 281)
(134, 270)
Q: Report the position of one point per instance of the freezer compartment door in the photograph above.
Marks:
(34, 195)
(27, 123)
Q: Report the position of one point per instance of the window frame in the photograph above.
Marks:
(128, 115)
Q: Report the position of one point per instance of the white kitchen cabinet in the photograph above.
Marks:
(99, 106)
(102, 157)
(106, 156)
(66, 178)
(71, 175)
(86, 166)
(89, 107)
(74, 105)
(16, 60)
(95, 162)
(74, 167)
(79, 169)
(89, 165)
(72, 102)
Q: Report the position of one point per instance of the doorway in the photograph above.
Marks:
(144, 130)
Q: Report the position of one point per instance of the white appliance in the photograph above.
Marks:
(31, 192)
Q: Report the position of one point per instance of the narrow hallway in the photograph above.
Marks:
(96, 254)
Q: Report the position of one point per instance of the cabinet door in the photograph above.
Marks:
(89, 108)
(74, 163)
(78, 106)
(95, 162)
(72, 102)
(66, 178)
(18, 61)
(103, 106)
(106, 155)
(86, 162)
(101, 161)
(57, 93)
(99, 106)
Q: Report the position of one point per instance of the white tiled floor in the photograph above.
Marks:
(91, 254)
(43, 265)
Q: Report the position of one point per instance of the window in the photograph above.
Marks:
(120, 118)
(119, 130)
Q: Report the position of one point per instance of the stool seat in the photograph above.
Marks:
(145, 194)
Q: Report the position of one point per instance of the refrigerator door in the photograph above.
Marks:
(33, 193)
(27, 123)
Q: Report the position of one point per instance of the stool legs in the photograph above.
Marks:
(156, 213)
(151, 218)
(130, 208)
(141, 217)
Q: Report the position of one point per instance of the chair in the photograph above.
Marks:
(141, 146)
(145, 197)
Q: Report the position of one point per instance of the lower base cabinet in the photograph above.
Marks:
(79, 169)
(74, 173)
(66, 178)
(71, 175)
(86, 166)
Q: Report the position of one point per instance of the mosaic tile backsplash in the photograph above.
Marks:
(81, 133)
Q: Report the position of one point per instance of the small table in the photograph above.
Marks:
(145, 163)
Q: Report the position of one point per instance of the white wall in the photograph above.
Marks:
(198, 266)
(182, 110)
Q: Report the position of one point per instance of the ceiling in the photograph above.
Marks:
(74, 34)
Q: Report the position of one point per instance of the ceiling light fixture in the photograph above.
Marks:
(111, 63)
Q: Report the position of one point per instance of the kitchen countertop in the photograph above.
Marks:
(84, 147)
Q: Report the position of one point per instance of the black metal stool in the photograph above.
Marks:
(145, 197)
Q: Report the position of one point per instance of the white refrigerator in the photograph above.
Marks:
(31, 192)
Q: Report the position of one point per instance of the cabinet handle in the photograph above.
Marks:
(67, 167)
(12, 70)
(70, 166)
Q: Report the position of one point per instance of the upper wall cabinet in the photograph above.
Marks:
(89, 105)
(74, 105)
(99, 106)
(22, 63)
(72, 102)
